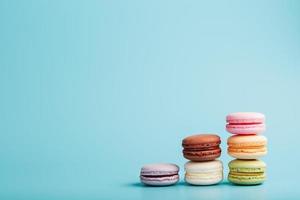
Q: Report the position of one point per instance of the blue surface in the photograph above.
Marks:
(92, 90)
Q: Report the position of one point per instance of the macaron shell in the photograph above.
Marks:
(245, 117)
(202, 155)
(159, 169)
(250, 165)
(255, 155)
(246, 179)
(245, 128)
(247, 140)
(203, 167)
(201, 139)
(160, 181)
(209, 180)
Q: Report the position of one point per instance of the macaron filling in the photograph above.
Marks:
(247, 170)
(247, 149)
(204, 175)
(245, 123)
(168, 177)
(244, 126)
(199, 152)
(158, 173)
(247, 176)
(201, 146)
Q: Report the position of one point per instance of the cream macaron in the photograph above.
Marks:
(204, 173)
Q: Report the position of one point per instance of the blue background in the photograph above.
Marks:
(93, 90)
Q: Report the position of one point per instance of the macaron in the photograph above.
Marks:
(201, 147)
(159, 174)
(247, 146)
(245, 123)
(204, 173)
(247, 172)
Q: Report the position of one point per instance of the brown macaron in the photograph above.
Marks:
(201, 147)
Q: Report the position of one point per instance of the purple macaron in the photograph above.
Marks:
(160, 174)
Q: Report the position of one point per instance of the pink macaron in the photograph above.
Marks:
(245, 123)
(159, 174)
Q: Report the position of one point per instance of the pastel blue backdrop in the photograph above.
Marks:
(93, 90)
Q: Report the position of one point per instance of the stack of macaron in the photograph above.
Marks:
(247, 145)
(202, 150)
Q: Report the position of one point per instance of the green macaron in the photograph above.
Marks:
(247, 172)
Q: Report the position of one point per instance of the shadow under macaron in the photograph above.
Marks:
(185, 184)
